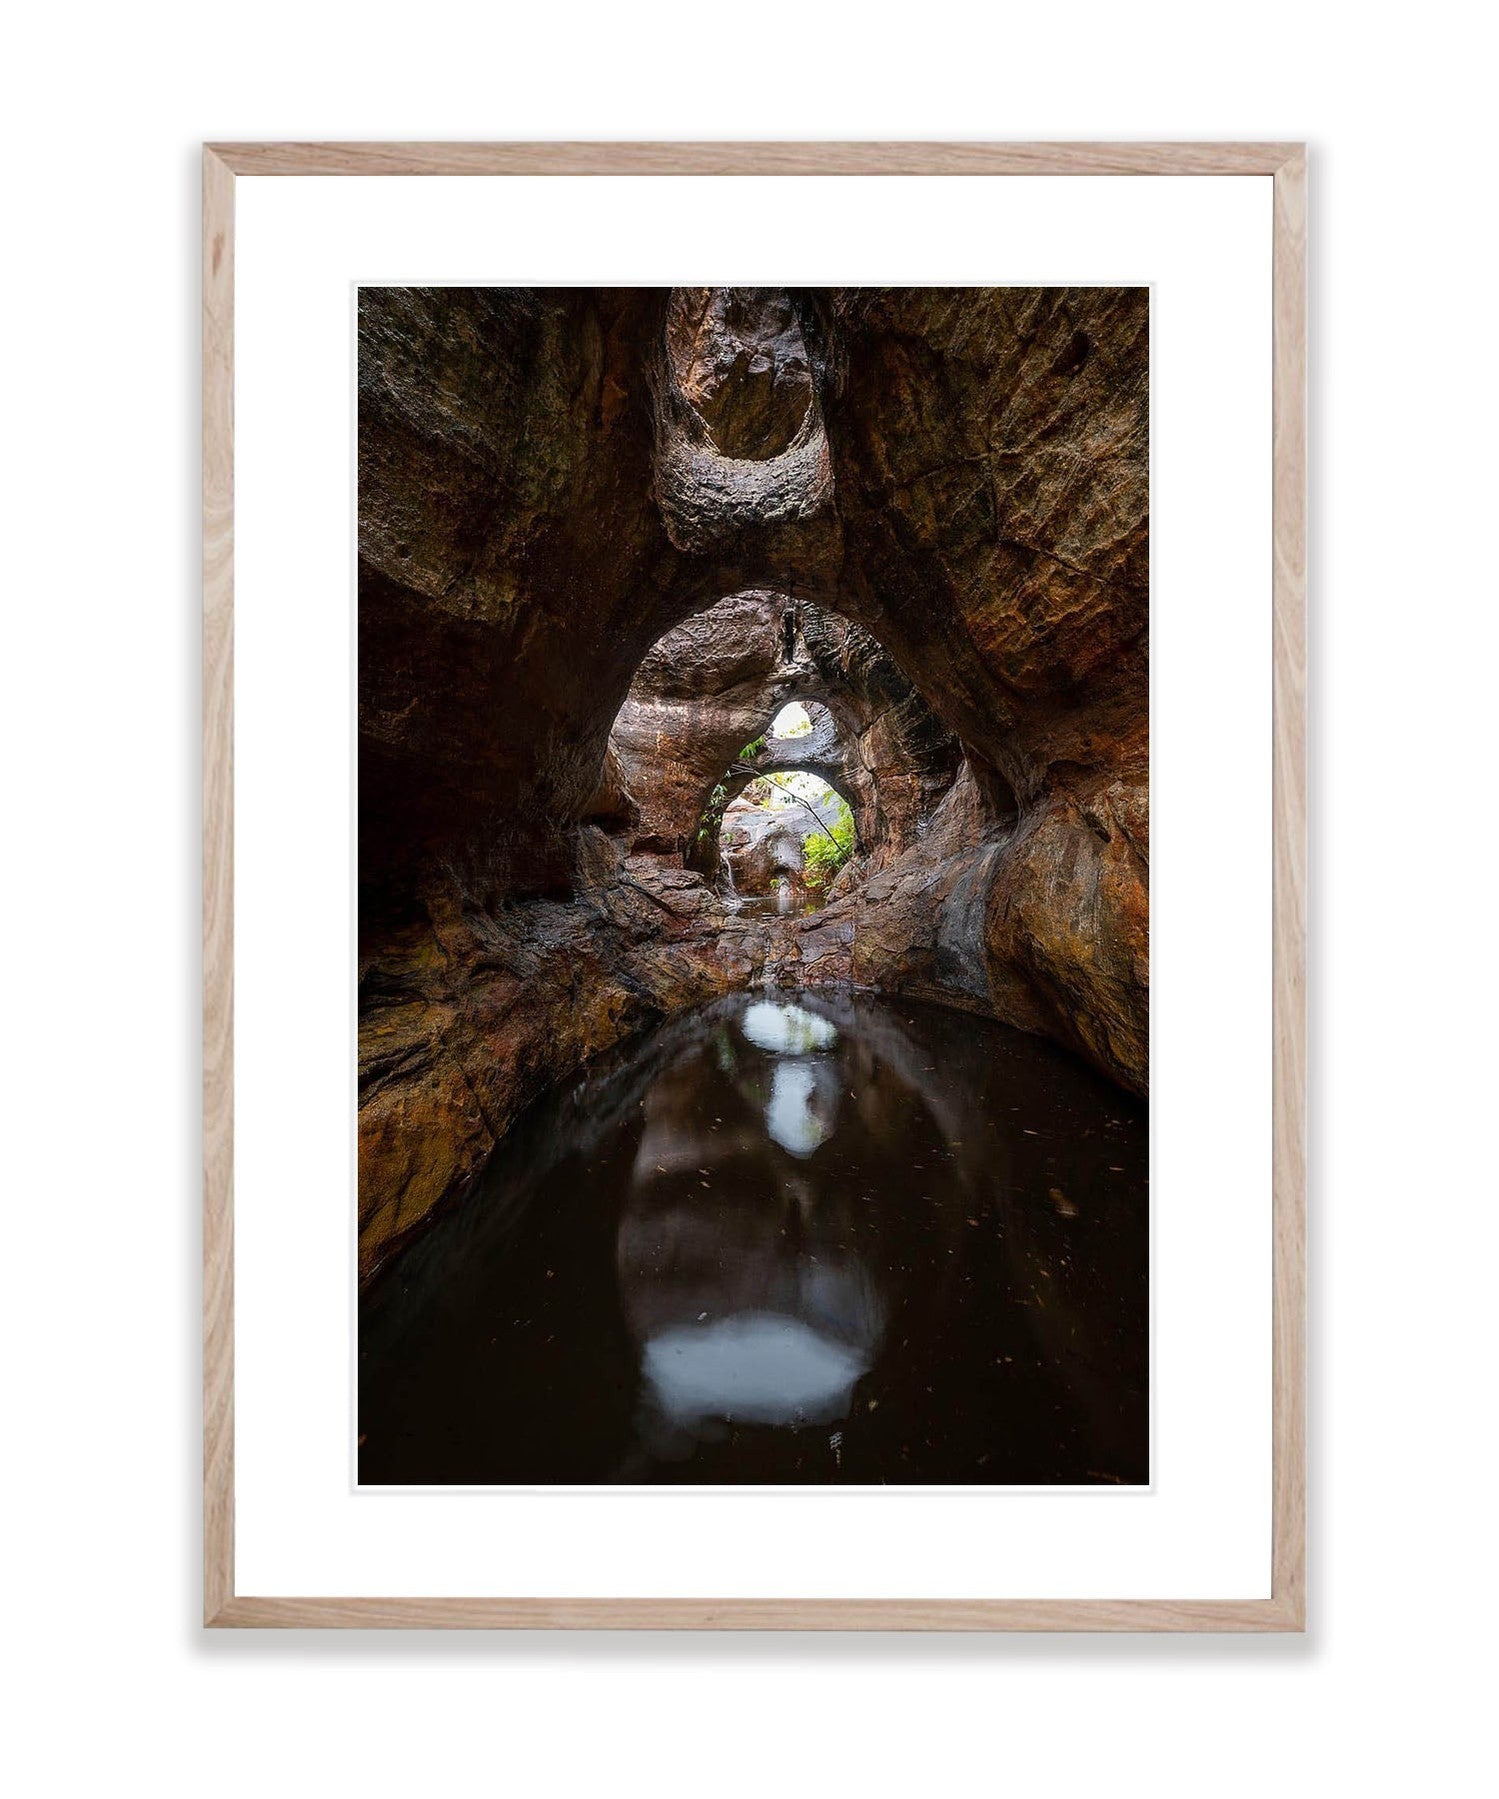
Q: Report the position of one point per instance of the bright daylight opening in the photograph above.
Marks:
(734, 905)
(791, 721)
(783, 842)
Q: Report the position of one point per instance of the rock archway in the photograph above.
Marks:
(699, 712)
(789, 840)
(925, 511)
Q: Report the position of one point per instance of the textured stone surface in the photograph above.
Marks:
(991, 456)
(740, 361)
(469, 1016)
(564, 493)
(714, 685)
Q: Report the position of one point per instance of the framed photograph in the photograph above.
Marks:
(754, 886)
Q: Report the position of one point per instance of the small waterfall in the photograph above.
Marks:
(732, 902)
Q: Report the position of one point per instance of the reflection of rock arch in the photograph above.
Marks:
(795, 1239)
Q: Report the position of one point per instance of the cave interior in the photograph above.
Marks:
(644, 572)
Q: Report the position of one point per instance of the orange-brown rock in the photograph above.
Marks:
(712, 687)
(594, 512)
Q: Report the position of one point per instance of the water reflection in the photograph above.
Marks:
(759, 1366)
(786, 1029)
(802, 1108)
(748, 1296)
(820, 1239)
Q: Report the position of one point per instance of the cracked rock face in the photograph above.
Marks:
(604, 535)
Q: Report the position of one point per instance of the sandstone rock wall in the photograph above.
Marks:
(593, 512)
(713, 686)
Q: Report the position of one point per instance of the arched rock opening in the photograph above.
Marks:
(699, 712)
(926, 509)
(787, 837)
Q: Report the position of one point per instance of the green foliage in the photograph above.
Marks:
(751, 750)
(713, 813)
(824, 853)
(827, 842)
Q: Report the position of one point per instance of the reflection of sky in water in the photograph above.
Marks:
(707, 1258)
(789, 1115)
(760, 1367)
(786, 1030)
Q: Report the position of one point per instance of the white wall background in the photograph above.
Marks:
(104, 109)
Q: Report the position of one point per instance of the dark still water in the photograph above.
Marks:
(783, 1238)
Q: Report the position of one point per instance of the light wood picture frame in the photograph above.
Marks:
(224, 1605)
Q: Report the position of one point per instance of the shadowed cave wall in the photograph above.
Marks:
(604, 535)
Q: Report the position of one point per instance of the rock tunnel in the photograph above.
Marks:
(605, 537)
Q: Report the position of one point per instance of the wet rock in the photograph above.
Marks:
(510, 1002)
(1070, 911)
(991, 455)
(656, 514)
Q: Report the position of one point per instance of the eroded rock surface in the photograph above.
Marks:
(603, 535)
(713, 687)
(740, 361)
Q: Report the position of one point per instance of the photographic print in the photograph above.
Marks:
(753, 886)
